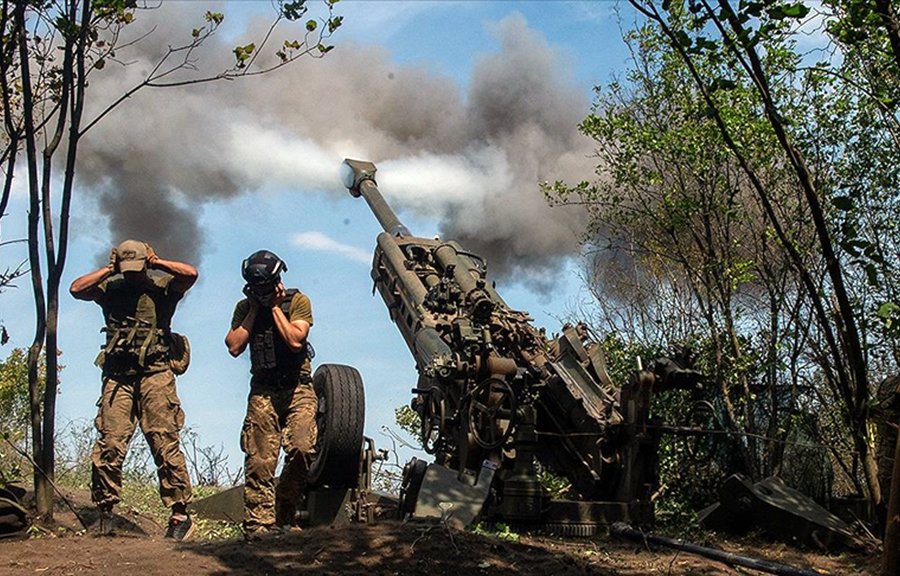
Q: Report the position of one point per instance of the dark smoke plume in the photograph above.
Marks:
(153, 162)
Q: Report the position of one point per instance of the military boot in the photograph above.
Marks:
(104, 519)
(285, 514)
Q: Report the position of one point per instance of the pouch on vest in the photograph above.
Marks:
(268, 351)
(131, 343)
(179, 353)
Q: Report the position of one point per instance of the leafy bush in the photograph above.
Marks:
(14, 415)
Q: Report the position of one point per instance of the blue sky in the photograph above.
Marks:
(441, 163)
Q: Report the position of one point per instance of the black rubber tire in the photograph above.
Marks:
(340, 420)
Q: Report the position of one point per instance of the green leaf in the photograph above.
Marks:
(311, 25)
(785, 11)
(215, 17)
(872, 275)
(294, 10)
(798, 10)
(753, 8)
(887, 310)
(844, 203)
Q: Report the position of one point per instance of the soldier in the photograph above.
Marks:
(281, 407)
(138, 381)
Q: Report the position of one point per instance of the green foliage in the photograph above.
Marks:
(730, 166)
(293, 10)
(677, 518)
(410, 422)
(334, 23)
(857, 128)
(74, 444)
(14, 405)
(121, 11)
(140, 487)
(15, 413)
(682, 249)
(140, 494)
(497, 530)
(557, 487)
(215, 18)
(243, 53)
(317, 31)
(62, 45)
(212, 530)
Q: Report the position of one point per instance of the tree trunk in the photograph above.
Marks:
(891, 559)
(43, 490)
(51, 358)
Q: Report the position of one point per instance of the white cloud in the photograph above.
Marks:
(320, 242)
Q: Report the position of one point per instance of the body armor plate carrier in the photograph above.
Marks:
(268, 351)
(138, 337)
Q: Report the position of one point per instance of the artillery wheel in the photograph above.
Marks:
(490, 404)
(339, 419)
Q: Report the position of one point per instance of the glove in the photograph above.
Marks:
(113, 263)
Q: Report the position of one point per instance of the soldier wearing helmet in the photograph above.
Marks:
(281, 408)
(138, 378)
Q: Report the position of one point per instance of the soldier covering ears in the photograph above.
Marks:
(281, 407)
(138, 378)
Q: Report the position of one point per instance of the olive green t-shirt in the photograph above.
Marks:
(300, 309)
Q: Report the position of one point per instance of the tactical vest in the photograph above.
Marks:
(269, 353)
(137, 327)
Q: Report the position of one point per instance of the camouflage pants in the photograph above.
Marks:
(151, 401)
(277, 417)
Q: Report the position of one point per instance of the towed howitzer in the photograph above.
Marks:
(494, 389)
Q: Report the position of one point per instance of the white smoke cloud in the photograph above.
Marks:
(273, 160)
(471, 160)
(319, 242)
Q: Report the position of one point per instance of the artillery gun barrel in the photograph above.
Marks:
(359, 178)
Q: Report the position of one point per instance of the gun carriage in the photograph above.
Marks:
(497, 398)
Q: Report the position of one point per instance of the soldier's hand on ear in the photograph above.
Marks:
(113, 263)
(251, 297)
(151, 256)
(279, 295)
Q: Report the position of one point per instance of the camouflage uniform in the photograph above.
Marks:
(138, 388)
(281, 413)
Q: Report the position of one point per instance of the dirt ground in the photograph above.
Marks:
(384, 548)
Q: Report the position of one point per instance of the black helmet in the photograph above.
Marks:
(262, 267)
